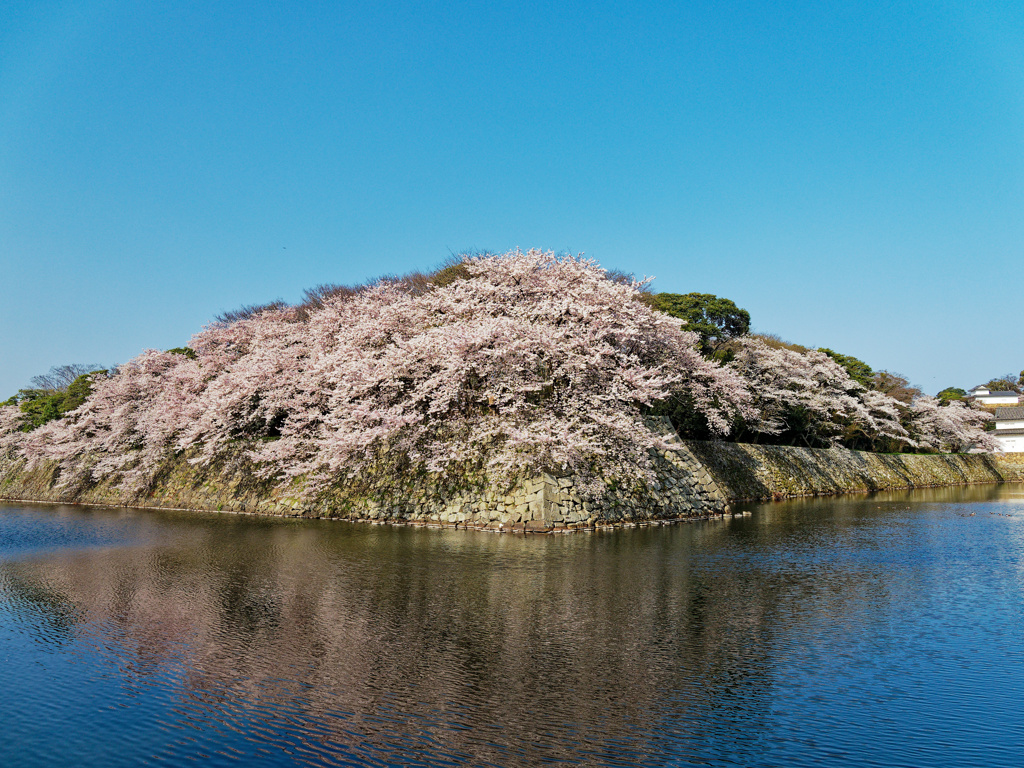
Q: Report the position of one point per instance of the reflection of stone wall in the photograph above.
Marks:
(316, 636)
(755, 472)
(695, 479)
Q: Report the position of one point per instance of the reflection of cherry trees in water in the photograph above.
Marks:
(48, 609)
(333, 641)
(378, 641)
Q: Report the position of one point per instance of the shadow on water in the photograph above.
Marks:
(812, 628)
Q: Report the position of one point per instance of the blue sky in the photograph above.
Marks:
(852, 174)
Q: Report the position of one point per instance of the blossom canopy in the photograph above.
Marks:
(530, 362)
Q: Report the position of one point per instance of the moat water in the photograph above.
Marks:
(870, 631)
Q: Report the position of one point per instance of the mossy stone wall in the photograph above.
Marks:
(694, 479)
(759, 472)
(683, 489)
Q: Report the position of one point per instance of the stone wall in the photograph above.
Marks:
(760, 472)
(683, 490)
(694, 479)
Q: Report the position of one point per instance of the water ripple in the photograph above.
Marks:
(879, 630)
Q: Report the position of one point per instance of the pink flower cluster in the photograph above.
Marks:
(956, 426)
(532, 363)
(11, 437)
(811, 393)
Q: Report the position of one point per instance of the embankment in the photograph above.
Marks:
(746, 472)
(683, 490)
(695, 479)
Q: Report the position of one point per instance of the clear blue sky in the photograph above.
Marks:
(851, 173)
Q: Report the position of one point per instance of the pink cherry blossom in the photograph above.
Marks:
(530, 363)
(533, 363)
(956, 427)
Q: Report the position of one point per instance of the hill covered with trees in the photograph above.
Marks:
(488, 371)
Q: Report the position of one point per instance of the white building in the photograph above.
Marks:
(1010, 429)
(983, 396)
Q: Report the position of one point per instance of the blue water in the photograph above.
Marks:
(875, 631)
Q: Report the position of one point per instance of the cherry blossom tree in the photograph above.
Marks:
(955, 427)
(127, 425)
(525, 363)
(530, 363)
(811, 398)
(512, 365)
(11, 436)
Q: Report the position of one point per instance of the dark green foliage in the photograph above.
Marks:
(39, 406)
(715, 320)
(1007, 383)
(186, 351)
(78, 391)
(449, 274)
(43, 405)
(688, 421)
(949, 394)
(859, 370)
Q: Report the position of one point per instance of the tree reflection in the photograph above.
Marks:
(334, 640)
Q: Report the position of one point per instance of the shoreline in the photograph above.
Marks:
(519, 528)
(697, 480)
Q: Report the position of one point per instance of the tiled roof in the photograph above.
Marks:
(1008, 432)
(1010, 413)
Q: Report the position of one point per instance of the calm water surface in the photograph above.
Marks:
(881, 630)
